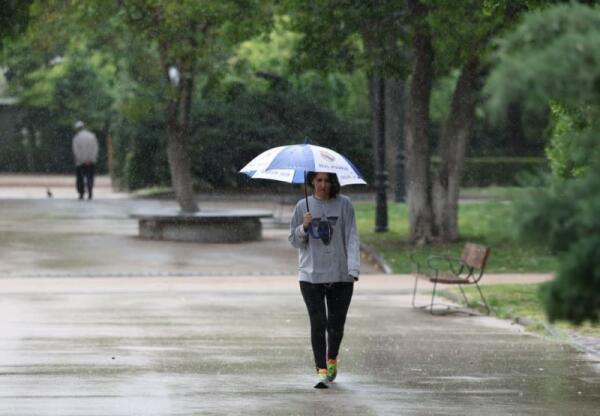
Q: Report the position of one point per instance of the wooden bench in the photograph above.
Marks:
(466, 270)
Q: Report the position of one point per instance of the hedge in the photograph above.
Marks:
(228, 134)
(501, 171)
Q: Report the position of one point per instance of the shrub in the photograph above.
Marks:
(228, 133)
(500, 171)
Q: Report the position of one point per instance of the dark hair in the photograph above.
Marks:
(335, 184)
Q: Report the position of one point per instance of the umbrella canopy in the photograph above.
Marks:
(291, 163)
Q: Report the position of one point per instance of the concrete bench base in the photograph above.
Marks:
(203, 226)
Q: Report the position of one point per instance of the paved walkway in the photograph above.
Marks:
(62, 236)
(181, 329)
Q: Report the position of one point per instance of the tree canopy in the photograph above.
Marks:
(553, 58)
(14, 16)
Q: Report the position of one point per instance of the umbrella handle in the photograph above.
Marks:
(306, 193)
(310, 227)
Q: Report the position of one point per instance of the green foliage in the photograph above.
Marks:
(13, 154)
(441, 97)
(553, 58)
(194, 37)
(490, 223)
(501, 171)
(488, 138)
(270, 52)
(14, 16)
(350, 34)
(81, 93)
(568, 158)
(576, 300)
(236, 131)
(227, 134)
(58, 78)
(52, 97)
(343, 93)
(516, 302)
(554, 55)
(522, 303)
(462, 30)
(140, 157)
(566, 219)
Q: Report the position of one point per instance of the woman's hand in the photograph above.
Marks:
(307, 221)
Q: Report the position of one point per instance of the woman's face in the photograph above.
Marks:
(322, 185)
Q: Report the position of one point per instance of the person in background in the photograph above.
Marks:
(329, 257)
(85, 150)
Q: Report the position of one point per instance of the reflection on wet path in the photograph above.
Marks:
(246, 351)
(62, 237)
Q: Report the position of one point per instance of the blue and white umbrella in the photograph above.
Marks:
(291, 164)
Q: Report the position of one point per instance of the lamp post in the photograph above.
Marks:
(400, 164)
(381, 183)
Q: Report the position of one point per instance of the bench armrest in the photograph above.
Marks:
(445, 264)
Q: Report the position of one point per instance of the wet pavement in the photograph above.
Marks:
(170, 329)
(61, 237)
(181, 346)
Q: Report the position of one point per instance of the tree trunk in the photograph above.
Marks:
(452, 149)
(178, 131)
(416, 134)
(180, 167)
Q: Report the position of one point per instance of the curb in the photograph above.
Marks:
(588, 345)
(374, 257)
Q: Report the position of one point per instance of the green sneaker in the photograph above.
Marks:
(331, 369)
(322, 382)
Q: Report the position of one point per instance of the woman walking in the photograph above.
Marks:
(329, 264)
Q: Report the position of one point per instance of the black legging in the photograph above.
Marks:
(85, 179)
(327, 305)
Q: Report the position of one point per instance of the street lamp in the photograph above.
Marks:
(381, 182)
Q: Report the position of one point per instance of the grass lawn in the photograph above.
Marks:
(521, 301)
(489, 223)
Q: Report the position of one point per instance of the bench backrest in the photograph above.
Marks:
(475, 255)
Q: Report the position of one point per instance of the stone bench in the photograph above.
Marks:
(222, 226)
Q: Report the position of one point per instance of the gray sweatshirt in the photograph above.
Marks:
(324, 260)
(85, 147)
